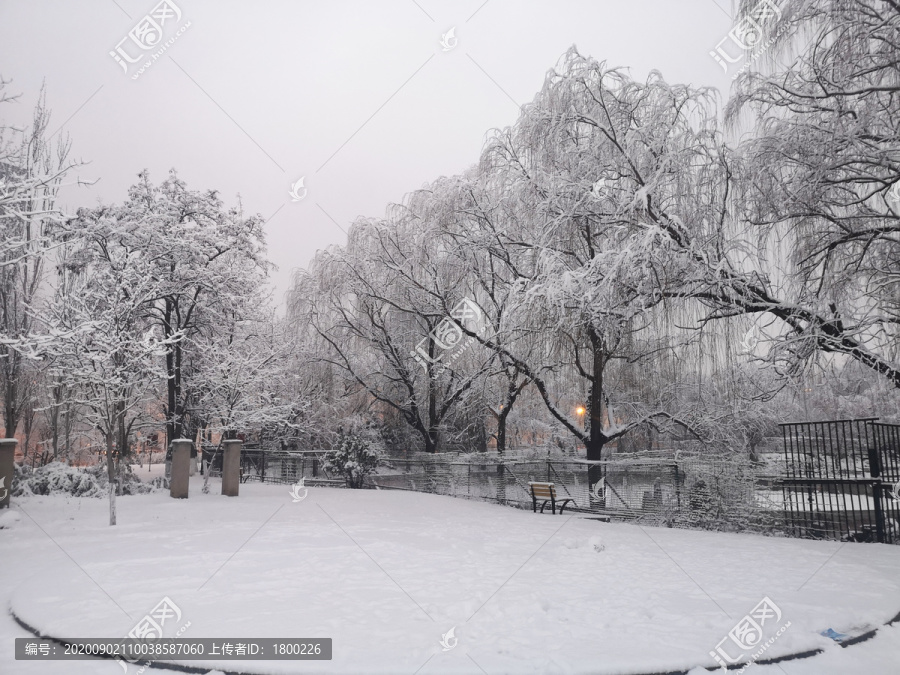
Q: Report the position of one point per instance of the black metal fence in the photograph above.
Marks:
(688, 490)
(277, 466)
(835, 480)
(727, 493)
(839, 480)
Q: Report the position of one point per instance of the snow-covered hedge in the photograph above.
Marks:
(58, 478)
(354, 458)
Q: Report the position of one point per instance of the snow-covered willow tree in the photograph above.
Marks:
(370, 303)
(484, 239)
(627, 257)
(603, 174)
(582, 238)
(822, 179)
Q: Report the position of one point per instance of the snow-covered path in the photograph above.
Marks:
(386, 574)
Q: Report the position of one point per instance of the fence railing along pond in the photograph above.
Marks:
(834, 480)
(842, 479)
(688, 491)
(732, 494)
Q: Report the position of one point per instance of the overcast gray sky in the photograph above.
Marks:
(361, 99)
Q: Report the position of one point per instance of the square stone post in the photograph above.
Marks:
(231, 468)
(7, 467)
(181, 468)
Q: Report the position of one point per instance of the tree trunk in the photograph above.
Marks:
(121, 444)
(209, 464)
(431, 436)
(173, 381)
(68, 431)
(595, 410)
(111, 473)
(28, 425)
(501, 431)
(54, 430)
(11, 409)
(501, 449)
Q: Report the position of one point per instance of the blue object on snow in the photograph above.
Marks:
(834, 635)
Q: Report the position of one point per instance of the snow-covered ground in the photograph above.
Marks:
(386, 574)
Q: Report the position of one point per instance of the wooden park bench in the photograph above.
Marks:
(547, 493)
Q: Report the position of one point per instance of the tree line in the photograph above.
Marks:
(630, 265)
(147, 317)
(644, 263)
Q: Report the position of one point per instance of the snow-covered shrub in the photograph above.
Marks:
(132, 485)
(58, 478)
(354, 458)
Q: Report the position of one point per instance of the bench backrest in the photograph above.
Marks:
(543, 490)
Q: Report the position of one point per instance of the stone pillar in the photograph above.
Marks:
(231, 467)
(181, 468)
(7, 466)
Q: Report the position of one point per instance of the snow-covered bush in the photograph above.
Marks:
(58, 478)
(354, 458)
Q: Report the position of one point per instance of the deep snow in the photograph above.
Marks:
(386, 574)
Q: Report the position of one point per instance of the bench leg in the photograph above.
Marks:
(562, 508)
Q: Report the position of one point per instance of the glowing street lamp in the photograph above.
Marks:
(580, 412)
